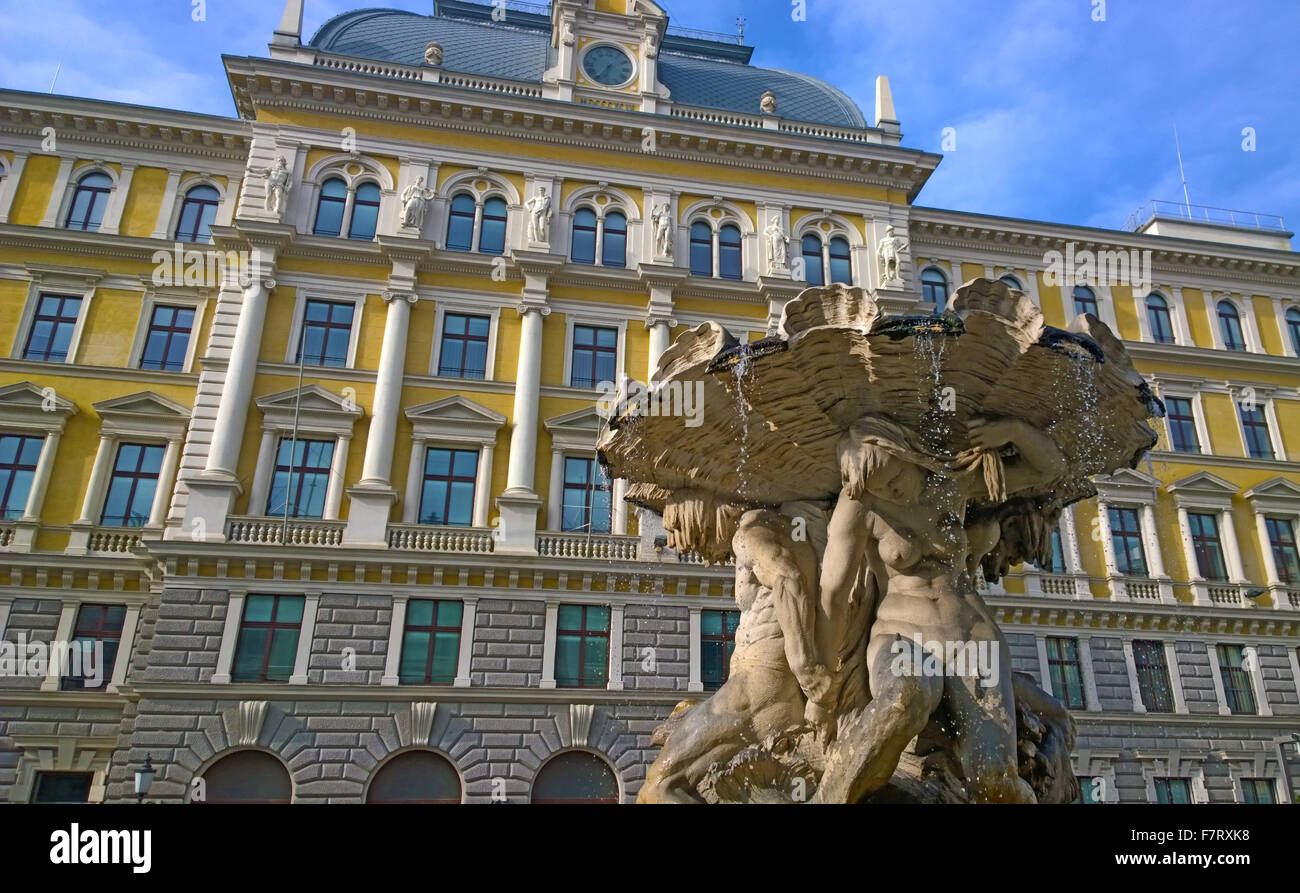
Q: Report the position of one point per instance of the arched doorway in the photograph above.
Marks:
(418, 776)
(575, 777)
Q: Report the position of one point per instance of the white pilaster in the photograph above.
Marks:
(468, 615)
(483, 486)
(229, 637)
(414, 479)
(125, 646)
(263, 473)
(166, 483)
(306, 631)
(163, 223)
(393, 657)
(14, 175)
(338, 476)
(41, 477)
(694, 681)
(58, 193)
(616, 647)
(548, 645)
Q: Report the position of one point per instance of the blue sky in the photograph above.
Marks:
(1056, 116)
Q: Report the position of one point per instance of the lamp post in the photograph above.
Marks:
(143, 779)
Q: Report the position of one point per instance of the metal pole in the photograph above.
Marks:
(1179, 149)
(293, 442)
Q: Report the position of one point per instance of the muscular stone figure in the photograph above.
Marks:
(773, 668)
(905, 511)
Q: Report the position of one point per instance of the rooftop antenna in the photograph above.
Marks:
(1178, 148)
(740, 27)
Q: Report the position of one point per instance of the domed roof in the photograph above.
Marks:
(517, 50)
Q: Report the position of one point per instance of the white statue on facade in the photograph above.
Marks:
(415, 203)
(890, 253)
(539, 217)
(778, 247)
(277, 185)
(662, 219)
(433, 53)
(768, 103)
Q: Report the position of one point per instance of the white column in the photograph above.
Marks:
(1217, 676)
(99, 473)
(306, 631)
(548, 645)
(112, 221)
(523, 429)
(1090, 698)
(694, 680)
(14, 176)
(166, 482)
(1135, 690)
(378, 466)
(163, 223)
(483, 485)
(1189, 549)
(263, 473)
(1232, 548)
(57, 193)
(660, 333)
(338, 475)
(615, 647)
(618, 525)
(1107, 542)
(414, 477)
(124, 647)
(63, 633)
(226, 211)
(1151, 535)
(393, 657)
(1070, 541)
(41, 478)
(555, 493)
(229, 638)
(466, 642)
(1270, 562)
(228, 429)
(1175, 677)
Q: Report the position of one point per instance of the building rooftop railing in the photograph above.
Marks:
(1163, 210)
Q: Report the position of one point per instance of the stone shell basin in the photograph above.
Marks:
(774, 410)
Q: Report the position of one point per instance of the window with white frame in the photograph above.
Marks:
(1151, 672)
(1255, 415)
(450, 476)
(32, 420)
(1126, 537)
(267, 638)
(1183, 423)
(582, 499)
(1011, 282)
(198, 213)
(90, 198)
(1292, 320)
(1066, 672)
(1085, 301)
(934, 288)
(166, 338)
(54, 316)
(325, 328)
(50, 336)
(1231, 333)
(463, 348)
(303, 456)
(826, 260)
(1160, 322)
(599, 236)
(477, 224)
(716, 249)
(104, 631)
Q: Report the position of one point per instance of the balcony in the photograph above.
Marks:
(1146, 590)
(1216, 594)
(425, 538)
(1185, 221)
(279, 532)
(580, 545)
(1038, 582)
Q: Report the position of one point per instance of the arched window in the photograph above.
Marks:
(418, 776)
(492, 237)
(812, 260)
(841, 261)
(584, 236)
(1230, 326)
(248, 776)
(197, 213)
(1011, 282)
(460, 226)
(614, 251)
(365, 212)
(1158, 318)
(1084, 300)
(575, 777)
(329, 210)
(729, 264)
(701, 249)
(934, 288)
(89, 201)
(1293, 328)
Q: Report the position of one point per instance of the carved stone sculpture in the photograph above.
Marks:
(890, 254)
(768, 103)
(278, 185)
(415, 203)
(662, 218)
(861, 471)
(778, 248)
(433, 53)
(539, 217)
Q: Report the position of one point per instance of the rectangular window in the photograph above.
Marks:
(431, 642)
(1153, 676)
(1067, 672)
(326, 333)
(1173, 790)
(1254, 428)
(1126, 540)
(19, 455)
(302, 483)
(1206, 545)
(268, 638)
(1281, 538)
(134, 483)
(50, 336)
(717, 641)
(1258, 790)
(62, 787)
(1182, 425)
(582, 646)
(168, 341)
(96, 624)
(1089, 789)
(587, 497)
(448, 493)
(595, 356)
(464, 346)
(1236, 679)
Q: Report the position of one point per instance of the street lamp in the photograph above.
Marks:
(143, 778)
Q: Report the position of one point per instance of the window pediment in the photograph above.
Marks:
(26, 405)
(318, 409)
(1276, 495)
(455, 418)
(1203, 490)
(145, 413)
(575, 430)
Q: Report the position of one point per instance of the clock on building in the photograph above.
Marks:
(607, 65)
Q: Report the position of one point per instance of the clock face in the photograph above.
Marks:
(607, 65)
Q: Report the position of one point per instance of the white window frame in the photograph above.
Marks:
(370, 170)
(811, 227)
(174, 204)
(701, 212)
(1263, 399)
(1245, 313)
(597, 319)
(616, 205)
(1283, 305)
(1175, 317)
(937, 266)
(1171, 670)
(397, 627)
(471, 307)
(1256, 675)
(1195, 495)
(61, 281)
(329, 419)
(70, 605)
(614, 674)
(450, 423)
(111, 222)
(1186, 391)
(1257, 769)
(1171, 767)
(496, 187)
(168, 298)
(22, 412)
(303, 294)
(1092, 703)
(235, 619)
(570, 437)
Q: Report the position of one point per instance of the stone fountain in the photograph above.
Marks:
(866, 475)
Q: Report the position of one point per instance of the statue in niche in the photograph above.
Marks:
(415, 203)
(662, 218)
(890, 254)
(778, 247)
(539, 217)
(277, 185)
